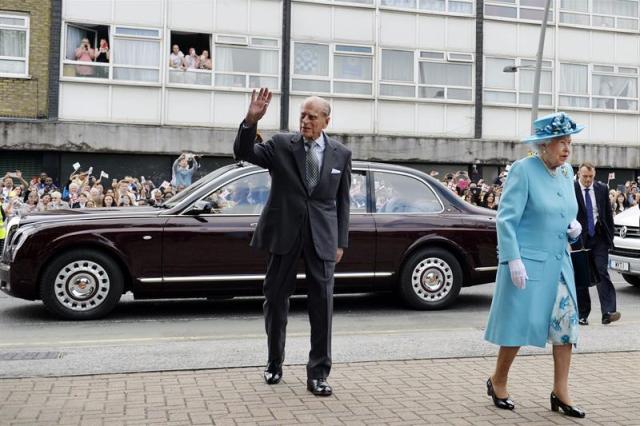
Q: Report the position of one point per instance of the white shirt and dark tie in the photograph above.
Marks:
(588, 191)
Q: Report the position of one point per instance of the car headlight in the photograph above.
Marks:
(18, 240)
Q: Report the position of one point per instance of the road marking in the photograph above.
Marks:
(131, 340)
(59, 343)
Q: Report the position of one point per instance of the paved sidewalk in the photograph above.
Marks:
(415, 392)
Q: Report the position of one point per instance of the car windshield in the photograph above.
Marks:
(173, 201)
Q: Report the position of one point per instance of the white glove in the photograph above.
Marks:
(575, 229)
(518, 273)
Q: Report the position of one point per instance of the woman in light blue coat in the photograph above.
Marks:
(535, 297)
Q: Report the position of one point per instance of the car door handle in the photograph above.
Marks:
(253, 225)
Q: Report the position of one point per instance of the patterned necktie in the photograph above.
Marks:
(312, 172)
(591, 227)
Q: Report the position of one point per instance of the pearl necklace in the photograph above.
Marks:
(553, 172)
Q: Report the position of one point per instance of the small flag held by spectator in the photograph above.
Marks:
(612, 176)
(76, 166)
(103, 174)
(165, 184)
(90, 170)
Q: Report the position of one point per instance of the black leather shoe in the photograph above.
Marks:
(319, 387)
(272, 377)
(568, 410)
(504, 403)
(610, 317)
(583, 321)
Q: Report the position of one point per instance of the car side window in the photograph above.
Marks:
(246, 195)
(397, 193)
(358, 193)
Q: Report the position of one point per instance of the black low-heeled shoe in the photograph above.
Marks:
(503, 403)
(568, 410)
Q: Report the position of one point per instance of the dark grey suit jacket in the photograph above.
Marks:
(290, 202)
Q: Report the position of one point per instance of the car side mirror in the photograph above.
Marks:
(201, 207)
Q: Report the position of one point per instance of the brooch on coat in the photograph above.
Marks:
(564, 170)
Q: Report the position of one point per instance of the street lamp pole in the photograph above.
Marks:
(538, 71)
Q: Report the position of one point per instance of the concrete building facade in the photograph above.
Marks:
(416, 81)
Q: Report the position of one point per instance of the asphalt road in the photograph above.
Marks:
(193, 334)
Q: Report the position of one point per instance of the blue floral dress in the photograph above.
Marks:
(563, 327)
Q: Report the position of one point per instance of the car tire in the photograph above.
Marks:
(634, 280)
(81, 285)
(430, 279)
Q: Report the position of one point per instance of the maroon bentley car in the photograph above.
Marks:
(408, 233)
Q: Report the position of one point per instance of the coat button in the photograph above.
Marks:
(558, 256)
(561, 236)
(559, 194)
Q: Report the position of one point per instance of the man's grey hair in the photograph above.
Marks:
(324, 104)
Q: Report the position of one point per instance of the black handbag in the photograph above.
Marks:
(584, 268)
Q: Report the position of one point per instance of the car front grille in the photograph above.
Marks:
(625, 253)
(631, 231)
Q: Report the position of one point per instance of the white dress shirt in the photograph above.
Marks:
(592, 195)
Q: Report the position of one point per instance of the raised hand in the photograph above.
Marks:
(258, 106)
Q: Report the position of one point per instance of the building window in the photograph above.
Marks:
(516, 87)
(605, 87)
(332, 68)
(112, 52)
(530, 10)
(440, 75)
(81, 50)
(136, 54)
(453, 6)
(620, 14)
(246, 62)
(190, 60)
(14, 45)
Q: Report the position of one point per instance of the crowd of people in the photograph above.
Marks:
(478, 192)
(474, 189)
(84, 190)
(192, 61)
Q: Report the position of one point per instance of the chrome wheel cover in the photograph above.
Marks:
(432, 279)
(82, 285)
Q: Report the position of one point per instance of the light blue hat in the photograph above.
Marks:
(553, 126)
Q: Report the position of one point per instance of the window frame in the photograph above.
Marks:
(110, 65)
(249, 44)
(27, 29)
(517, 90)
(113, 36)
(416, 84)
(518, 8)
(333, 52)
(590, 14)
(243, 41)
(376, 171)
(590, 95)
(418, 9)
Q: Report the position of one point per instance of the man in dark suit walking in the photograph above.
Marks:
(307, 214)
(596, 217)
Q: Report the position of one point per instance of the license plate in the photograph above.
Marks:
(620, 266)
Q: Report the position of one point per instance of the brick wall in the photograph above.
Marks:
(27, 98)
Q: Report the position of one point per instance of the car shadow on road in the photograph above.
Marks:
(129, 309)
